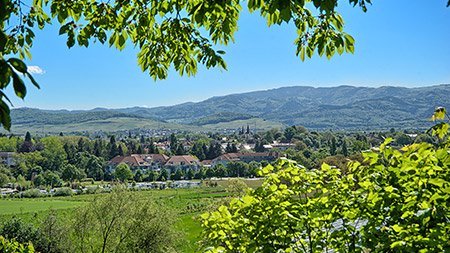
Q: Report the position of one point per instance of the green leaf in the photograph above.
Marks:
(397, 228)
(19, 65)
(439, 182)
(32, 80)
(19, 86)
(439, 113)
(397, 244)
(3, 40)
(5, 118)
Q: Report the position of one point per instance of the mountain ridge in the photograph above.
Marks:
(340, 107)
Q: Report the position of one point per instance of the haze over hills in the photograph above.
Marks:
(338, 108)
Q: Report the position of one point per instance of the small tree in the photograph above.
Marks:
(163, 175)
(71, 173)
(178, 175)
(138, 176)
(123, 172)
(190, 174)
(121, 222)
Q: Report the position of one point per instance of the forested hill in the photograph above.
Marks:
(343, 107)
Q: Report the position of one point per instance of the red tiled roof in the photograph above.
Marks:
(233, 157)
(159, 158)
(132, 160)
(207, 162)
(182, 160)
(140, 160)
(259, 154)
(228, 157)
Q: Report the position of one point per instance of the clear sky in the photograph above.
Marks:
(401, 43)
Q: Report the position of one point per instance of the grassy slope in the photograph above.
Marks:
(181, 200)
(20, 206)
(188, 204)
(123, 123)
(107, 125)
(260, 124)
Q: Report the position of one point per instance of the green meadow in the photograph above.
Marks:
(187, 204)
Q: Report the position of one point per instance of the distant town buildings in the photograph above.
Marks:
(185, 162)
(7, 158)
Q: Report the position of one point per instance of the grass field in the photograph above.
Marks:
(188, 204)
(20, 206)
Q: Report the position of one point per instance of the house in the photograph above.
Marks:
(279, 146)
(226, 158)
(206, 163)
(184, 162)
(139, 162)
(7, 158)
(156, 161)
(259, 156)
(246, 157)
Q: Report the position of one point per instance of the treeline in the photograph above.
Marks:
(123, 172)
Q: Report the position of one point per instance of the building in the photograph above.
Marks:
(279, 146)
(7, 158)
(246, 157)
(184, 162)
(143, 162)
(226, 158)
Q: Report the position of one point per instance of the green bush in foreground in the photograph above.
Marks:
(396, 201)
(7, 246)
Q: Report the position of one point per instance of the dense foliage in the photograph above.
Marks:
(14, 247)
(120, 222)
(395, 201)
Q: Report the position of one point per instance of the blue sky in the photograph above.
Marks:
(400, 43)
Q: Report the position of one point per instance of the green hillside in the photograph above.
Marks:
(340, 108)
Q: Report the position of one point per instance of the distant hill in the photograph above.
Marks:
(342, 107)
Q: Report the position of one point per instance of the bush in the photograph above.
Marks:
(93, 190)
(396, 201)
(11, 246)
(133, 225)
(18, 230)
(64, 191)
(236, 187)
(31, 193)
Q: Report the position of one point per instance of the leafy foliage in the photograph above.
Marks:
(121, 222)
(14, 247)
(395, 201)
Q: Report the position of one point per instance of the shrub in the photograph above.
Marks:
(396, 201)
(63, 191)
(31, 193)
(11, 246)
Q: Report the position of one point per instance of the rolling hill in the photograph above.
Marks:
(342, 107)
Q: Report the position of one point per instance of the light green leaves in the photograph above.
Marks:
(439, 113)
(393, 201)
